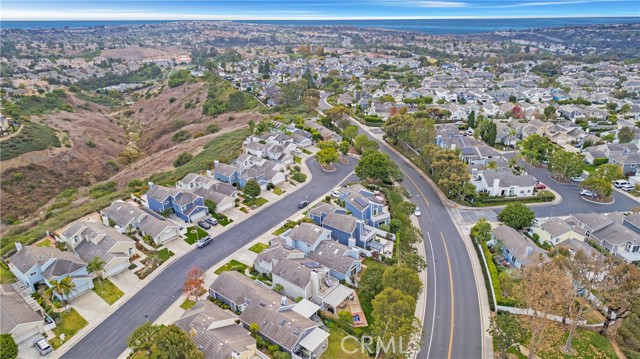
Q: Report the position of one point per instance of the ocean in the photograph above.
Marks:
(430, 26)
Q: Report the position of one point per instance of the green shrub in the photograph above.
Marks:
(213, 128)
(182, 159)
(101, 190)
(599, 161)
(90, 143)
(181, 136)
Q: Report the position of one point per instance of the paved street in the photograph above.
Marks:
(108, 340)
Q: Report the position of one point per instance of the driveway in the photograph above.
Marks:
(26, 350)
(108, 339)
(91, 307)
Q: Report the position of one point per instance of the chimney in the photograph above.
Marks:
(352, 242)
(216, 163)
(496, 182)
(105, 220)
(528, 251)
(18, 246)
(453, 146)
(151, 184)
(284, 301)
(315, 284)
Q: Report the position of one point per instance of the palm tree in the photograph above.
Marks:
(96, 266)
(62, 288)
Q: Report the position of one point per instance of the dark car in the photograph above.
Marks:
(204, 241)
(204, 225)
(42, 345)
(303, 204)
(212, 221)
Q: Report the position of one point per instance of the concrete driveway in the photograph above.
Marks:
(126, 280)
(26, 350)
(91, 306)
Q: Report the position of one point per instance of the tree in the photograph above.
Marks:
(345, 316)
(173, 343)
(535, 147)
(237, 101)
(344, 147)
(398, 127)
(378, 166)
(327, 155)
(254, 328)
(542, 289)
(327, 144)
(393, 317)
(252, 126)
(600, 180)
(252, 189)
(142, 337)
(619, 289)
(422, 133)
(471, 119)
(183, 158)
(550, 112)
(63, 288)
(350, 132)
(362, 143)
(506, 332)
(194, 284)
(310, 103)
(404, 279)
(278, 288)
(371, 282)
(517, 215)
(211, 205)
(9, 348)
(481, 231)
(566, 164)
(626, 134)
(96, 265)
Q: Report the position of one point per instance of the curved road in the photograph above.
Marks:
(452, 326)
(108, 339)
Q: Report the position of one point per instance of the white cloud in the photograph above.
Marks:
(440, 4)
(552, 3)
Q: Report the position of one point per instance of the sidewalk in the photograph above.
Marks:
(421, 303)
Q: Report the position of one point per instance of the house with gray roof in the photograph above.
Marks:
(555, 230)
(34, 265)
(518, 250)
(615, 232)
(279, 321)
(503, 183)
(90, 239)
(128, 218)
(216, 333)
(306, 237)
(23, 321)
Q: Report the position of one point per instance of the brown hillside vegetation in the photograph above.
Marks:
(90, 140)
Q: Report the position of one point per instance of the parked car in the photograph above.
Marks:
(204, 241)
(577, 179)
(335, 194)
(42, 345)
(303, 204)
(417, 212)
(297, 150)
(587, 193)
(212, 221)
(540, 186)
(628, 187)
(204, 225)
(620, 183)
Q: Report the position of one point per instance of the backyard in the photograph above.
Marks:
(588, 344)
(334, 349)
(107, 290)
(69, 324)
(194, 234)
(5, 275)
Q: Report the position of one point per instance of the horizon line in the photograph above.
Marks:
(329, 18)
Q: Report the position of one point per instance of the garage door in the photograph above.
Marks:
(117, 269)
(20, 335)
(198, 216)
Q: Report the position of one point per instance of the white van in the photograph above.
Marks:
(620, 183)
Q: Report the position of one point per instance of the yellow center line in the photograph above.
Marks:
(446, 251)
(416, 185)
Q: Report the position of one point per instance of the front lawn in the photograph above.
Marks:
(44, 243)
(194, 233)
(258, 247)
(334, 348)
(70, 323)
(278, 191)
(109, 292)
(165, 254)
(222, 219)
(258, 201)
(297, 159)
(187, 304)
(233, 265)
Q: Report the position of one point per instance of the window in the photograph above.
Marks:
(32, 274)
(587, 233)
(166, 202)
(636, 249)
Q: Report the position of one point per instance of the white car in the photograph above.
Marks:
(621, 183)
(577, 179)
(336, 194)
(417, 212)
(628, 187)
(297, 150)
(587, 193)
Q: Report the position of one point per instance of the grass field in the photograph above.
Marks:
(6, 276)
(232, 265)
(108, 291)
(258, 201)
(258, 247)
(222, 219)
(588, 344)
(70, 323)
(334, 348)
(192, 236)
(32, 137)
(187, 304)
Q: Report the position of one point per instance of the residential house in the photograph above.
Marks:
(129, 218)
(367, 208)
(186, 205)
(503, 183)
(615, 232)
(34, 265)
(248, 167)
(216, 333)
(222, 194)
(555, 231)
(519, 251)
(22, 317)
(279, 321)
(94, 239)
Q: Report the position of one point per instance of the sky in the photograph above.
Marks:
(31, 10)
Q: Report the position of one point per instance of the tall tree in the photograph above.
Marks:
(619, 290)
(506, 332)
(350, 132)
(96, 265)
(63, 288)
(371, 282)
(398, 127)
(173, 343)
(393, 319)
(404, 279)
(194, 284)
(377, 166)
(626, 134)
(517, 215)
(422, 133)
(252, 189)
(481, 231)
(566, 164)
(542, 289)
(8, 347)
(471, 119)
(327, 155)
(142, 337)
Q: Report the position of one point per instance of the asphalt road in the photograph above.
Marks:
(108, 339)
(572, 202)
(452, 325)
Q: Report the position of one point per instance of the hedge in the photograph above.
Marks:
(599, 161)
(542, 198)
